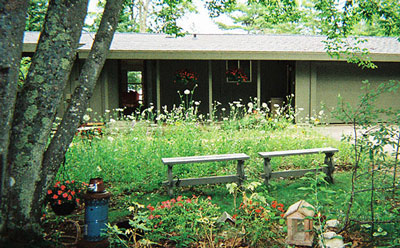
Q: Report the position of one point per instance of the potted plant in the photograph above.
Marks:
(65, 195)
(236, 75)
(185, 76)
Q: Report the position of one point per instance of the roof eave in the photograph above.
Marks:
(233, 55)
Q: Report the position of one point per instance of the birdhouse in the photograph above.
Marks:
(300, 224)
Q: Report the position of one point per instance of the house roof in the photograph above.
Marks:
(225, 46)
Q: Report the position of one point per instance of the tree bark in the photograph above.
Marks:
(35, 110)
(92, 67)
(12, 23)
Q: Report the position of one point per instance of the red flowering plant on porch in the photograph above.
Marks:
(236, 75)
(66, 192)
(185, 76)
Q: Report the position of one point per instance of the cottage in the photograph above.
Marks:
(143, 67)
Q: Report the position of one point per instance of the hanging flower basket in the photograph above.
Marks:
(185, 77)
(65, 195)
(236, 75)
(65, 208)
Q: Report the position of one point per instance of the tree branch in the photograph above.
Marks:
(12, 23)
(79, 101)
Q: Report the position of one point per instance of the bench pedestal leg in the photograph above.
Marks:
(331, 167)
(240, 171)
(170, 181)
(267, 170)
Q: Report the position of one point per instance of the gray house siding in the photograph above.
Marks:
(321, 82)
(105, 95)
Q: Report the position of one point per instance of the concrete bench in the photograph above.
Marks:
(238, 178)
(328, 169)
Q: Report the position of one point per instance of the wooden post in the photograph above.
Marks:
(331, 167)
(170, 181)
(240, 171)
(267, 170)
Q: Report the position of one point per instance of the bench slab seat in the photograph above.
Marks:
(297, 152)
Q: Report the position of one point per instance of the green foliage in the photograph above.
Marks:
(152, 16)
(23, 71)
(182, 220)
(339, 22)
(36, 13)
(259, 221)
(217, 7)
(265, 16)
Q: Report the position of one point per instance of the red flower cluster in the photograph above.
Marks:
(67, 191)
(250, 208)
(278, 206)
(236, 75)
(182, 202)
(185, 76)
(255, 209)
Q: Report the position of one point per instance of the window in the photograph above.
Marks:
(134, 83)
(243, 65)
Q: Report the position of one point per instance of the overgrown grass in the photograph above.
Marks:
(130, 159)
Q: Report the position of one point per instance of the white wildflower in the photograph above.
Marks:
(276, 105)
(89, 110)
(264, 105)
(99, 168)
(112, 121)
(186, 92)
(301, 109)
(140, 102)
(197, 103)
(119, 109)
(321, 112)
(86, 117)
(111, 139)
(223, 109)
(250, 105)
(107, 111)
(225, 118)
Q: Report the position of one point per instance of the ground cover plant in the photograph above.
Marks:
(127, 155)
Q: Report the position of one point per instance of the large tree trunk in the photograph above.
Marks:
(35, 110)
(12, 23)
(55, 153)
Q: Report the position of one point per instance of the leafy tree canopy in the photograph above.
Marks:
(328, 17)
(155, 16)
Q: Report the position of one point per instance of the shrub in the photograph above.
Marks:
(182, 220)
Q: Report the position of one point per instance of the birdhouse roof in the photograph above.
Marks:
(301, 207)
